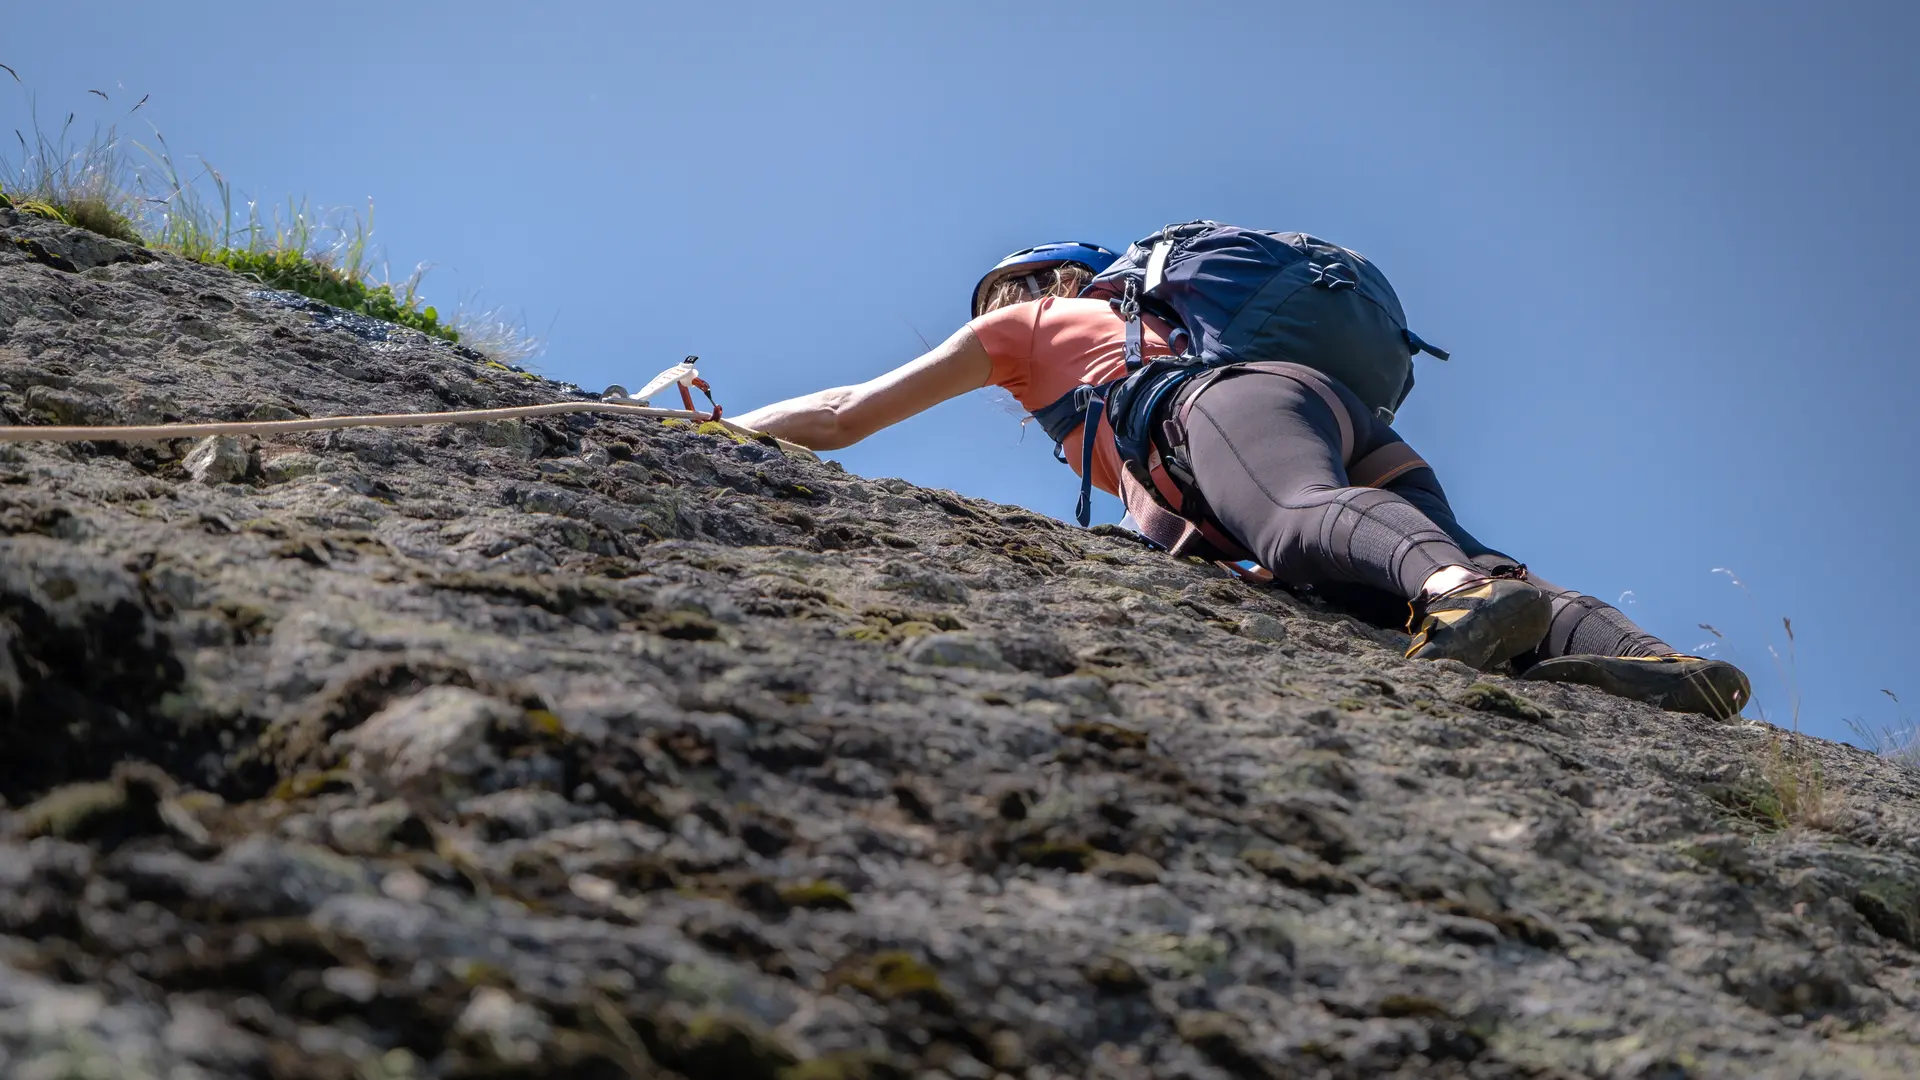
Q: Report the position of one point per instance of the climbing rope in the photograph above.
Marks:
(682, 374)
(162, 432)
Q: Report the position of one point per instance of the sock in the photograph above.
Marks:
(1448, 578)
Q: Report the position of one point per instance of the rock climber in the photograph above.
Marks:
(1268, 466)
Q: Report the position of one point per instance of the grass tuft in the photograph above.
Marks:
(1899, 743)
(1787, 786)
(1795, 782)
(89, 212)
(490, 332)
(82, 184)
(140, 194)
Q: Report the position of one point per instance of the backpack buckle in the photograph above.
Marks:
(1183, 477)
(1128, 305)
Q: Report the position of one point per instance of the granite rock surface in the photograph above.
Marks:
(602, 747)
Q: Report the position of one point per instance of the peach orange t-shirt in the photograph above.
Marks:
(1043, 348)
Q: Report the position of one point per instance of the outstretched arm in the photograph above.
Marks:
(842, 416)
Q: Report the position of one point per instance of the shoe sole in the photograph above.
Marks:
(1712, 687)
(1500, 630)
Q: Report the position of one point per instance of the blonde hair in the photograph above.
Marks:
(1067, 280)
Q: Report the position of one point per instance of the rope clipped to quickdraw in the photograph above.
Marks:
(681, 376)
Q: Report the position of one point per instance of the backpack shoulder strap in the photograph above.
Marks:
(1079, 409)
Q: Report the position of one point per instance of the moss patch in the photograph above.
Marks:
(895, 976)
(896, 616)
(94, 213)
(1892, 907)
(295, 271)
(1101, 733)
(305, 785)
(715, 1043)
(854, 1065)
(1223, 1040)
(1486, 697)
(1303, 874)
(1517, 925)
(714, 427)
(817, 896)
(1406, 1006)
(1072, 856)
(79, 811)
(891, 625)
(1114, 976)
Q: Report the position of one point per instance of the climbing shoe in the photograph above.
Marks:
(1675, 683)
(1481, 623)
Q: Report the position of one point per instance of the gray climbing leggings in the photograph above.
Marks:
(1266, 454)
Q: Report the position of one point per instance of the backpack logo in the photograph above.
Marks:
(1333, 275)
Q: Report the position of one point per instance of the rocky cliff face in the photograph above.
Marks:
(607, 748)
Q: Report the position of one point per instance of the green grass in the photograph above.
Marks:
(1898, 743)
(1787, 786)
(83, 212)
(138, 192)
(86, 186)
(295, 271)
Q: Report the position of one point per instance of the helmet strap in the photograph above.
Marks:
(1033, 286)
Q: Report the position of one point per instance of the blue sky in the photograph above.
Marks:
(1669, 245)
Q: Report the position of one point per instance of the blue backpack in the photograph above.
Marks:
(1238, 296)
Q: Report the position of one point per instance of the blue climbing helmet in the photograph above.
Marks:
(1033, 261)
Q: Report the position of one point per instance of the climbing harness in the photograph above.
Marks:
(1158, 478)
